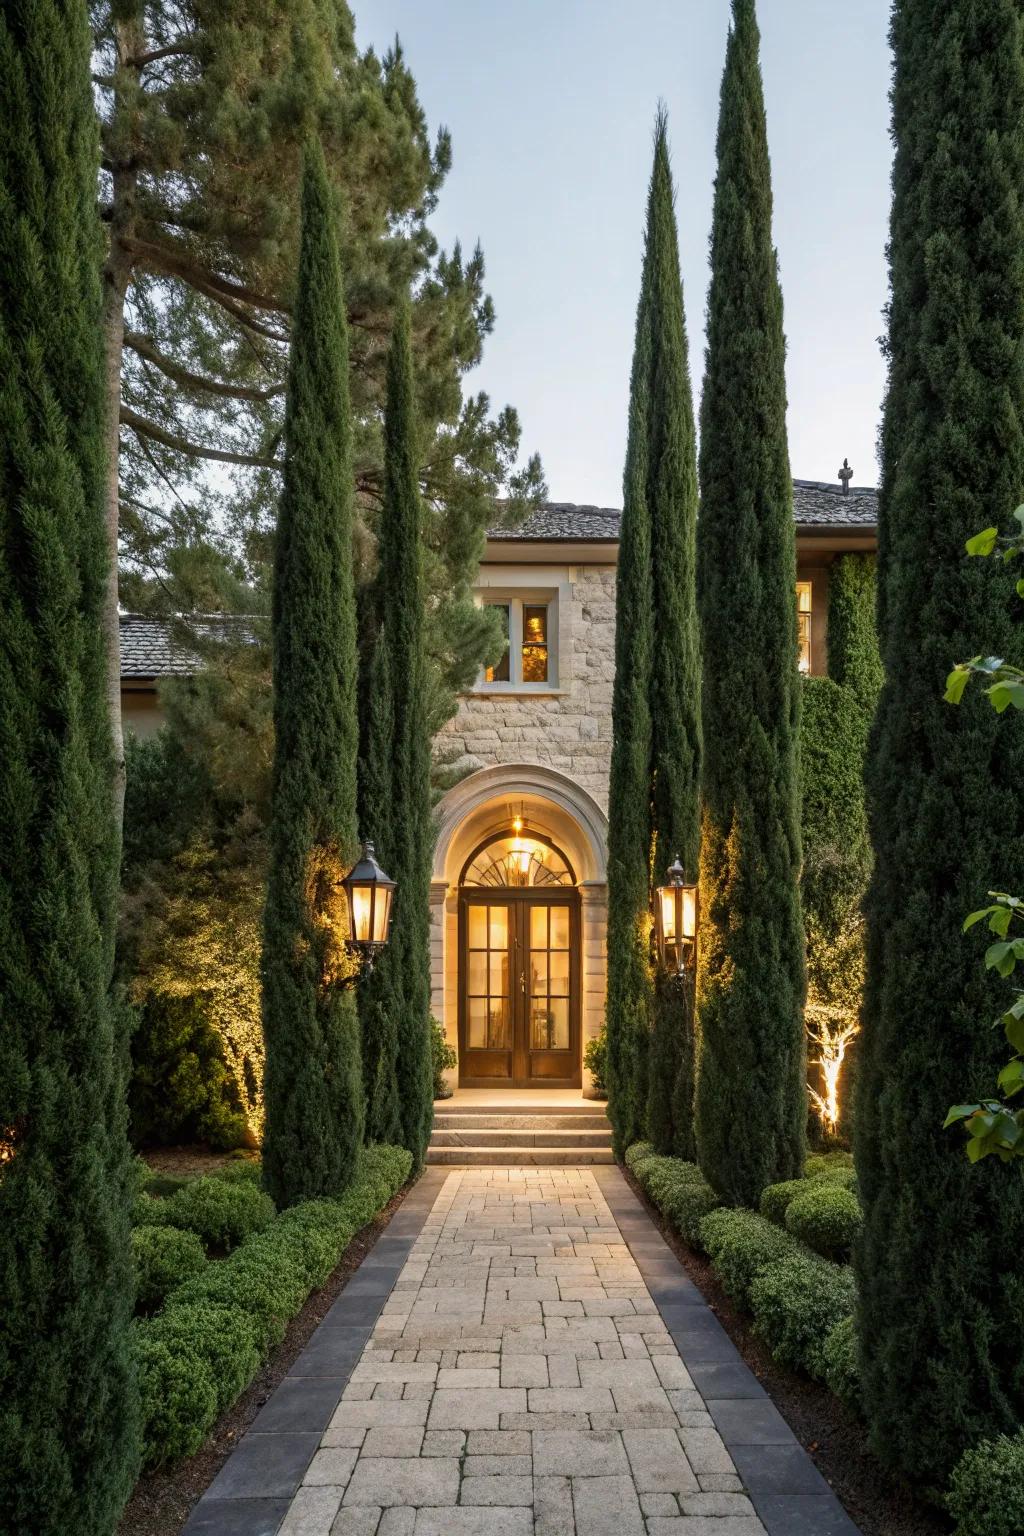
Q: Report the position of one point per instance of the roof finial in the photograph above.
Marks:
(846, 475)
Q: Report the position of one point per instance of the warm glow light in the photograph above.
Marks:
(832, 1048)
(689, 911)
(668, 913)
(362, 912)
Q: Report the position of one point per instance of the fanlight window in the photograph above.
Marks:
(518, 860)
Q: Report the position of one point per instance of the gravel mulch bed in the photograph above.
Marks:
(834, 1438)
(162, 1501)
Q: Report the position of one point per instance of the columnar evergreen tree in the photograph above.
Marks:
(941, 1292)
(670, 468)
(656, 741)
(68, 1407)
(313, 1085)
(395, 785)
(751, 1093)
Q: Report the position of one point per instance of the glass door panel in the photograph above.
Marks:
(488, 993)
(549, 986)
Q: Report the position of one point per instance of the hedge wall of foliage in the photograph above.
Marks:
(834, 729)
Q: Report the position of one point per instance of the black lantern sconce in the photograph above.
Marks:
(368, 891)
(676, 914)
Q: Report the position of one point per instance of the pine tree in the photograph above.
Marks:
(204, 110)
(68, 1405)
(941, 1293)
(656, 730)
(313, 1084)
(751, 1097)
(395, 1004)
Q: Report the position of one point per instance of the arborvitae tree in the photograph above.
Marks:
(68, 1407)
(853, 655)
(668, 462)
(940, 1283)
(395, 786)
(313, 1085)
(751, 1098)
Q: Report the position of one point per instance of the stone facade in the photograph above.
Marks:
(568, 728)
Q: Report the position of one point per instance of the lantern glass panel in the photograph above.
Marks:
(689, 911)
(362, 913)
(668, 913)
(381, 915)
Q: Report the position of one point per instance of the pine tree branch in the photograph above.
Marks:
(179, 48)
(144, 347)
(176, 263)
(149, 429)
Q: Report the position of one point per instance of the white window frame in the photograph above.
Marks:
(516, 599)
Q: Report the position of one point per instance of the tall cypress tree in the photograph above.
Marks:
(630, 997)
(670, 469)
(396, 807)
(751, 1097)
(68, 1408)
(313, 1086)
(941, 1293)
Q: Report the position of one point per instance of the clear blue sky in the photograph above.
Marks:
(551, 103)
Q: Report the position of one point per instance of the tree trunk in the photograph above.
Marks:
(129, 41)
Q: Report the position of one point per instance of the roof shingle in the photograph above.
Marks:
(816, 504)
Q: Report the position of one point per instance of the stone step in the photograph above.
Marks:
(520, 1157)
(525, 1121)
(502, 1104)
(509, 1136)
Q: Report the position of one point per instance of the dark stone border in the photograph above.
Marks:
(253, 1490)
(788, 1492)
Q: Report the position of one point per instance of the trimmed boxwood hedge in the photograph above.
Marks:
(206, 1345)
(221, 1212)
(796, 1303)
(826, 1217)
(741, 1245)
(164, 1259)
(987, 1488)
(841, 1367)
(776, 1198)
(678, 1189)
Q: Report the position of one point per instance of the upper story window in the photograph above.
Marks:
(529, 656)
(804, 612)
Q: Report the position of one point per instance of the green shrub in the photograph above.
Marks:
(148, 1212)
(223, 1338)
(181, 1088)
(244, 1170)
(443, 1059)
(221, 1212)
(162, 1184)
(205, 1346)
(678, 1189)
(840, 1364)
(796, 1303)
(826, 1217)
(639, 1152)
(595, 1059)
(987, 1488)
(834, 1162)
(178, 1399)
(741, 1245)
(775, 1199)
(164, 1258)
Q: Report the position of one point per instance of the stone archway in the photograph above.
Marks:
(553, 805)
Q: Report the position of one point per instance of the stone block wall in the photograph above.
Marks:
(569, 728)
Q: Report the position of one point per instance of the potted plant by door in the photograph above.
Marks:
(595, 1057)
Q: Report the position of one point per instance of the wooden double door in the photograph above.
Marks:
(519, 989)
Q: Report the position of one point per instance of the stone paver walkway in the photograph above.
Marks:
(541, 1367)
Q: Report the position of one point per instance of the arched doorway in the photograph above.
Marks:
(519, 964)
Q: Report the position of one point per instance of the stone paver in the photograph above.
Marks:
(521, 1379)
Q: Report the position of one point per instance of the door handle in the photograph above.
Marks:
(522, 982)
